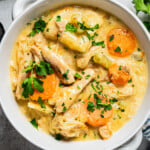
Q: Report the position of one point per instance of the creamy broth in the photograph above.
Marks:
(123, 109)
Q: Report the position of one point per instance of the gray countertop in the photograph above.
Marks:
(10, 139)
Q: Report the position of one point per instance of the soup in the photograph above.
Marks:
(78, 73)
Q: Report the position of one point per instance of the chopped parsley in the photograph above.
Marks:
(39, 26)
(102, 115)
(58, 18)
(34, 123)
(87, 76)
(121, 109)
(130, 81)
(60, 85)
(41, 102)
(31, 83)
(98, 43)
(41, 69)
(108, 82)
(89, 96)
(113, 100)
(78, 87)
(65, 75)
(58, 35)
(83, 72)
(91, 37)
(47, 30)
(53, 114)
(58, 137)
(111, 38)
(77, 75)
(139, 49)
(49, 47)
(83, 27)
(133, 85)
(120, 68)
(118, 49)
(90, 106)
(71, 28)
(64, 108)
(85, 135)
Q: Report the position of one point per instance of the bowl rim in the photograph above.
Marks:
(113, 2)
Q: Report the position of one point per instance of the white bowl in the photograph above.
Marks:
(10, 106)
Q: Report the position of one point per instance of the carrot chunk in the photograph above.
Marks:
(49, 85)
(98, 117)
(121, 42)
(118, 75)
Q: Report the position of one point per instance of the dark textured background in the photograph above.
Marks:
(10, 139)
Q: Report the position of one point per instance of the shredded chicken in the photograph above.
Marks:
(46, 108)
(24, 59)
(68, 127)
(119, 92)
(70, 93)
(53, 58)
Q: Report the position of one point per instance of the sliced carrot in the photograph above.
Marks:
(95, 118)
(119, 75)
(123, 39)
(49, 85)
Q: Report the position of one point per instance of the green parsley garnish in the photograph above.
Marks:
(98, 43)
(58, 137)
(58, 18)
(60, 85)
(113, 100)
(39, 26)
(58, 35)
(41, 69)
(77, 75)
(130, 81)
(64, 108)
(78, 87)
(41, 102)
(53, 114)
(91, 37)
(49, 47)
(83, 27)
(69, 27)
(120, 68)
(139, 49)
(83, 72)
(90, 106)
(118, 49)
(47, 30)
(111, 38)
(30, 83)
(87, 76)
(34, 123)
(108, 82)
(85, 135)
(65, 75)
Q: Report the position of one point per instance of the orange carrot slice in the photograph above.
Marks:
(95, 118)
(49, 85)
(119, 75)
(121, 42)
